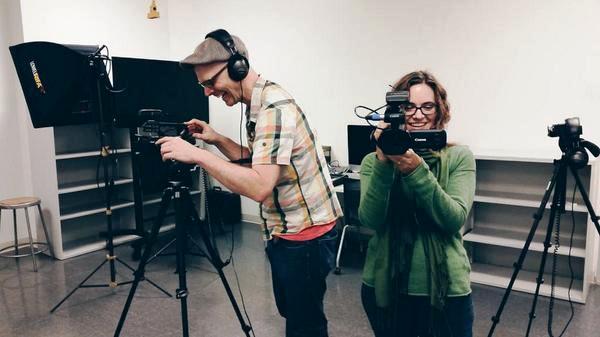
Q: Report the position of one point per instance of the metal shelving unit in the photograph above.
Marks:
(509, 191)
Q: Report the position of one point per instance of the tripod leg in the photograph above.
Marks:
(165, 247)
(554, 216)
(143, 278)
(519, 264)
(139, 274)
(586, 199)
(180, 232)
(216, 261)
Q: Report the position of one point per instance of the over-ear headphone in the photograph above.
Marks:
(237, 65)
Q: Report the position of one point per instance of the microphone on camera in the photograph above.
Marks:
(375, 117)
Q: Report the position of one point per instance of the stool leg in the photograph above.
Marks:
(30, 239)
(15, 225)
(45, 231)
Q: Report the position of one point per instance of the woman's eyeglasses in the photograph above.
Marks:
(426, 108)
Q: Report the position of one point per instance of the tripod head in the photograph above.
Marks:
(571, 144)
(152, 130)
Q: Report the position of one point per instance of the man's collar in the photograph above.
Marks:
(255, 100)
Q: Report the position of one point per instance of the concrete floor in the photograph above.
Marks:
(26, 298)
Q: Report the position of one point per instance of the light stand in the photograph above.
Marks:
(96, 62)
(574, 157)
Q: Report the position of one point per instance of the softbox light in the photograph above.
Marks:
(60, 82)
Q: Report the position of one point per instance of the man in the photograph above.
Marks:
(288, 176)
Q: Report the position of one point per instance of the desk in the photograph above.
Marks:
(349, 186)
(340, 181)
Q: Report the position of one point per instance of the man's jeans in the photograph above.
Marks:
(299, 269)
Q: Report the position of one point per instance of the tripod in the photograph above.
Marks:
(101, 84)
(570, 160)
(180, 195)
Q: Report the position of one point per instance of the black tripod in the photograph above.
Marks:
(102, 84)
(180, 195)
(573, 158)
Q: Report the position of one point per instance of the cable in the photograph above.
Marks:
(554, 262)
(371, 112)
(241, 120)
(231, 257)
(237, 281)
(551, 304)
(570, 265)
(336, 169)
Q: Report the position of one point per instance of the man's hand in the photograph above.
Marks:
(178, 149)
(201, 130)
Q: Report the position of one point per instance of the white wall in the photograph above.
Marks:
(121, 25)
(511, 68)
(14, 174)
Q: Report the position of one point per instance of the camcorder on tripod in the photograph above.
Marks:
(185, 214)
(395, 140)
(574, 157)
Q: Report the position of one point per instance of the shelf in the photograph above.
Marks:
(157, 197)
(517, 199)
(96, 153)
(512, 239)
(88, 185)
(89, 209)
(500, 276)
(528, 156)
(92, 244)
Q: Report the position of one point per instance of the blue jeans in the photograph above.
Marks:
(411, 316)
(299, 270)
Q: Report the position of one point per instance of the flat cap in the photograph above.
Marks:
(211, 50)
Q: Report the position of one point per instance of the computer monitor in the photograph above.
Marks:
(359, 145)
(156, 84)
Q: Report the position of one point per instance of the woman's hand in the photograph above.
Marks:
(380, 126)
(407, 162)
(178, 149)
(201, 130)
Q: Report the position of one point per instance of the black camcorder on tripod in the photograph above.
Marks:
(574, 157)
(177, 193)
(395, 140)
(570, 142)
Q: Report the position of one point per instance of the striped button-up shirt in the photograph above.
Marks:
(279, 133)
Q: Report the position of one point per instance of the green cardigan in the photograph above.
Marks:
(441, 208)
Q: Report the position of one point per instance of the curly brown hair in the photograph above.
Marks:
(421, 76)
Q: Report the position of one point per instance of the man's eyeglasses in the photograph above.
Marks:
(426, 108)
(210, 83)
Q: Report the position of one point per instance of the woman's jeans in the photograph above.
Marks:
(299, 269)
(411, 316)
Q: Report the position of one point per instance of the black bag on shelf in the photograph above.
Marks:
(224, 207)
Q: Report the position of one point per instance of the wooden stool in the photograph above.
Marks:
(13, 250)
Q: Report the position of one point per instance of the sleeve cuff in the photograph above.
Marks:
(417, 175)
(384, 171)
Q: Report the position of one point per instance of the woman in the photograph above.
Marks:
(416, 274)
